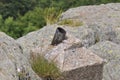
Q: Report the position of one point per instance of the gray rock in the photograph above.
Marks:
(74, 61)
(103, 15)
(89, 35)
(103, 33)
(43, 38)
(12, 59)
(103, 24)
(117, 38)
(102, 19)
(111, 53)
(85, 34)
(37, 39)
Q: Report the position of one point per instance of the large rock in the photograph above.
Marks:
(117, 38)
(103, 26)
(103, 15)
(111, 53)
(85, 34)
(39, 42)
(12, 60)
(89, 35)
(43, 38)
(75, 61)
(103, 33)
(103, 19)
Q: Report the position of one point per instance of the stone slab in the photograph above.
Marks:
(76, 62)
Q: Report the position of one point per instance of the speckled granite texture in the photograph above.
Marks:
(74, 61)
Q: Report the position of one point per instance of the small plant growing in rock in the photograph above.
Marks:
(51, 15)
(46, 70)
(71, 22)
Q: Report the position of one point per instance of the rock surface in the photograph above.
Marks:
(99, 33)
(75, 61)
(12, 60)
(111, 52)
(43, 38)
(102, 15)
(89, 35)
(104, 21)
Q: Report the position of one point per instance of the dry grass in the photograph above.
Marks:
(44, 68)
(51, 15)
(71, 22)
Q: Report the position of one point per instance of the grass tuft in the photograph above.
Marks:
(51, 15)
(71, 22)
(44, 68)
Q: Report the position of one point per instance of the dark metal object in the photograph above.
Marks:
(59, 36)
(48, 78)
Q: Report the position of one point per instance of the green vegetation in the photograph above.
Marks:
(44, 68)
(31, 21)
(15, 7)
(18, 17)
(71, 22)
(51, 15)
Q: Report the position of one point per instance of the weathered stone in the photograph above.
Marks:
(103, 33)
(12, 59)
(102, 15)
(85, 34)
(111, 53)
(76, 62)
(42, 38)
(38, 39)
(117, 38)
(103, 24)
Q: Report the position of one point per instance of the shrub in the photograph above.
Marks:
(71, 22)
(44, 68)
(32, 20)
(34, 17)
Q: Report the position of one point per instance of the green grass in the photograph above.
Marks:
(51, 15)
(44, 68)
(71, 22)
